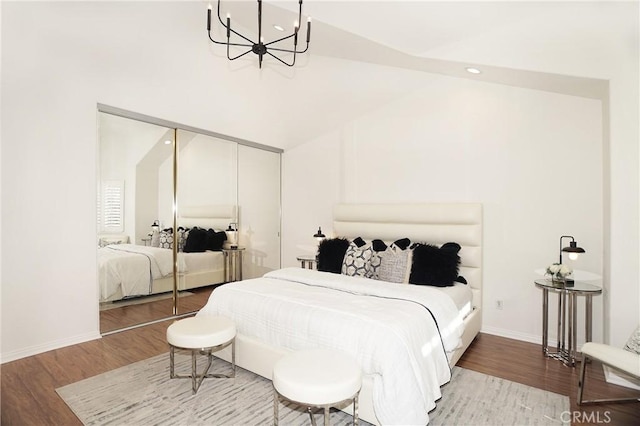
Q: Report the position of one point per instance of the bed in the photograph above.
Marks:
(405, 337)
(131, 270)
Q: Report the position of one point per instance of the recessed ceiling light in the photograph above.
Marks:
(278, 27)
(473, 70)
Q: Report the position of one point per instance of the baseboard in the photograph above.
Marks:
(510, 334)
(38, 349)
(552, 342)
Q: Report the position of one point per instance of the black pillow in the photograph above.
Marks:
(402, 243)
(196, 241)
(215, 240)
(461, 280)
(331, 254)
(433, 265)
(378, 245)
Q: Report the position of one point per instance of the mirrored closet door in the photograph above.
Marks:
(180, 212)
(134, 193)
(207, 207)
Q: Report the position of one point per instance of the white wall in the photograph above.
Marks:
(598, 40)
(59, 60)
(527, 156)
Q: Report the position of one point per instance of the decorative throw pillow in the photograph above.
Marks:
(395, 265)
(215, 240)
(197, 241)
(166, 239)
(633, 344)
(331, 254)
(357, 259)
(395, 261)
(433, 265)
(183, 234)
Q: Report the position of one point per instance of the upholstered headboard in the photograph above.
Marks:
(215, 216)
(434, 223)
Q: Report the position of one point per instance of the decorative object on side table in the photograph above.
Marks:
(319, 235)
(232, 235)
(155, 234)
(559, 273)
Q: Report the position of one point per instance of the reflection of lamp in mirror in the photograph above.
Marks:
(155, 234)
(232, 235)
(319, 235)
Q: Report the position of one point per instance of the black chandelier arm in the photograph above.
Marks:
(290, 51)
(231, 29)
(287, 64)
(280, 39)
(236, 57)
(229, 44)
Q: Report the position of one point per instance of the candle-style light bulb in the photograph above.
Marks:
(209, 18)
(308, 29)
(228, 25)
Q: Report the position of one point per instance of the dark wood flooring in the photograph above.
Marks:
(29, 397)
(122, 315)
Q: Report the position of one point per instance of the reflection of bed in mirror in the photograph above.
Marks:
(130, 270)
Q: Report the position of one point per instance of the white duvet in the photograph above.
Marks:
(386, 327)
(132, 268)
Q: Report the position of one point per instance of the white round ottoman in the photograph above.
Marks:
(317, 378)
(201, 335)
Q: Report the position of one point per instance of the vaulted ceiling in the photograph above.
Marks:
(421, 35)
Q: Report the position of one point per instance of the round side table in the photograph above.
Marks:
(567, 316)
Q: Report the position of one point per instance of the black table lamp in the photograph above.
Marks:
(573, 248)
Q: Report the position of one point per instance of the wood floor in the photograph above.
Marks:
(29, 397)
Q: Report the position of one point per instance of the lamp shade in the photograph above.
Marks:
(573, 248)
(319, 235)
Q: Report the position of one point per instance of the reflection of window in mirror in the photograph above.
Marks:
(111, 207)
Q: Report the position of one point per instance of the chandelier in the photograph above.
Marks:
(259, 47)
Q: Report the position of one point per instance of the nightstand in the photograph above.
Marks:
(567, 316)
(307, 260)
(233, 264)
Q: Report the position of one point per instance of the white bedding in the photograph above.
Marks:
(384, 326)
(132, 268)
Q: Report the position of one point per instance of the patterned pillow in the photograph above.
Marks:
(633, 344)
(357, 259)
(166, 239)
(395, 265)
(183, 234)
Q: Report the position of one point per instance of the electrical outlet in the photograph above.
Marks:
(499, 304)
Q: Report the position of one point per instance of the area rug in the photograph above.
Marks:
(142, 394)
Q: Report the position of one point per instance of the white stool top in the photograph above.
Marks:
(201, 332)
(317, 377)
